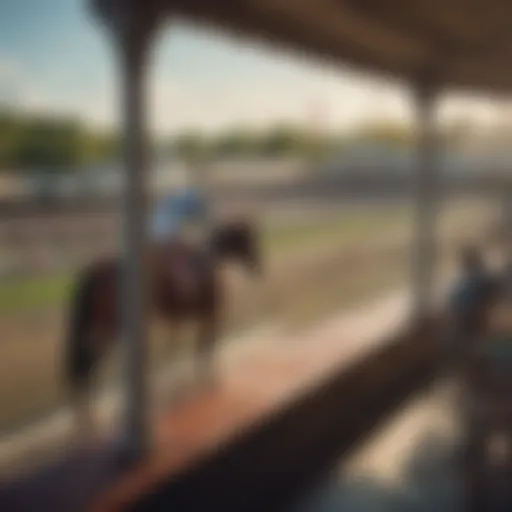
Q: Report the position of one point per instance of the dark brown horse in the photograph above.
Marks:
(183, 284)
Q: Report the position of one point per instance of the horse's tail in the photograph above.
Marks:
(78, 361)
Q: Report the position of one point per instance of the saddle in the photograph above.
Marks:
(179, 268)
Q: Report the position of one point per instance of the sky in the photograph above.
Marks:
(56, 57)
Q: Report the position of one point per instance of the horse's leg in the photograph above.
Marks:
(206, 344)
(82, 411)
(82, 384)
(80, 357)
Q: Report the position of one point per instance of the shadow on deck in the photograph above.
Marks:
(252, 441)
(411, 464)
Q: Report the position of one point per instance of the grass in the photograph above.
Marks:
(34, 292)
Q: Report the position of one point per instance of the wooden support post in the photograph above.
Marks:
(133, 27)
(426, 191)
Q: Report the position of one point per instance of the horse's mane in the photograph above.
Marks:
(228, 234)
(225, 237)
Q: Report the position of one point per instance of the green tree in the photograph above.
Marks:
(387, 132)
(235, 142)
(283, 140)
(9, 139)
(52, 143)
(191, 146)
(99, 147)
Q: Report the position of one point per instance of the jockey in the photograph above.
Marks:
(175, 213)
(172, 220)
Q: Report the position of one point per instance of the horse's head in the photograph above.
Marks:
(238, 240)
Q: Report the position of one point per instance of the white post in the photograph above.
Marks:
(426, 189)
(133, 46)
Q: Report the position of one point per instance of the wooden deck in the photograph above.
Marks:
(412, 463)
(256, 383)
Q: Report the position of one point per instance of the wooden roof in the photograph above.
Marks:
(458, 43)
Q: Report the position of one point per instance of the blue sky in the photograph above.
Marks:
(54, 56)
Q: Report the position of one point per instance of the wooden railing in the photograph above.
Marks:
(260, 468)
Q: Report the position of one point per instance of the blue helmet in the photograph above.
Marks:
(188, 203)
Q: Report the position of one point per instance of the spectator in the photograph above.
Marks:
(471, 298)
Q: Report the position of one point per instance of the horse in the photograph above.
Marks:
(183, 283)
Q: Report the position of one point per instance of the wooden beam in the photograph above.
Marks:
(242, 19)
(405, 20)
(443, 49)
(426, 190)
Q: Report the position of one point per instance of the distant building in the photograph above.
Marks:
(365, 159)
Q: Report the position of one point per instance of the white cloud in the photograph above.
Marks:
(18, 91)
(9, 77)
(341, 99)
(8, 69)
(311, 94)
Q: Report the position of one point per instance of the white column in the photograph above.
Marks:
(132, 52)
(426, 191)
